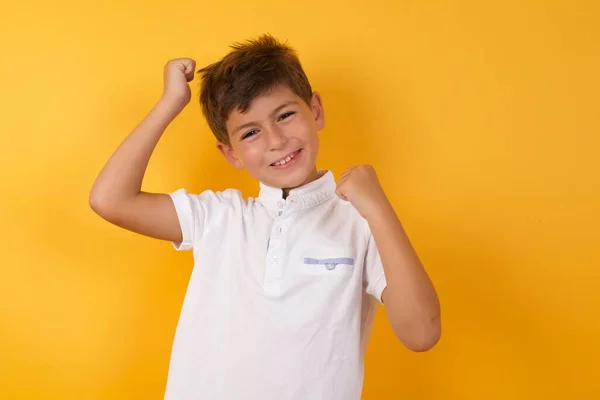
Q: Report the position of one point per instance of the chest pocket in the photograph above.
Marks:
(328, 261)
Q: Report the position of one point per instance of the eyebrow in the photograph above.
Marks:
(275, 111)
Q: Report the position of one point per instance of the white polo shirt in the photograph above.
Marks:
(281, 299)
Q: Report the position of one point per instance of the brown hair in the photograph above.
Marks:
(249, 70)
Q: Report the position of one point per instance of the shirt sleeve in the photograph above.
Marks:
(195, 212)
(375, 280)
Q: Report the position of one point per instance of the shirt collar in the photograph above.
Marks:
(306, 196)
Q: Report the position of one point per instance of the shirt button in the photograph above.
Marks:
(274, 260)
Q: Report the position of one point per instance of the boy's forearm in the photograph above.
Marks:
(410, 299)
(122, 176)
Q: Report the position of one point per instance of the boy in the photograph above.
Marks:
(281, 299)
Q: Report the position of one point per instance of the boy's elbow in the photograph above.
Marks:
(423, 344)
(96, 202)
(101, 204)
(424, 339)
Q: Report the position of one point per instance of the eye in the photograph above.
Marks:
(285, 115)
(249, 134)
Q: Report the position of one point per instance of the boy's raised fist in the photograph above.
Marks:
(177, 73)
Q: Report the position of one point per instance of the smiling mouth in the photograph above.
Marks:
(286, 159)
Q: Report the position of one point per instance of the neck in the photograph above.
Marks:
(313, 176)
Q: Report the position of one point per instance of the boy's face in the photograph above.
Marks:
(276, 140)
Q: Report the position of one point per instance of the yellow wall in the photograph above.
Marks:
(482, 121)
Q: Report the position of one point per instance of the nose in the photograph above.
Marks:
(277, 138)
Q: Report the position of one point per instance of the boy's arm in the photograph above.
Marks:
(116, 194)
(410, 299)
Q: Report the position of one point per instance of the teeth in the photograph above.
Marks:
(284, 161)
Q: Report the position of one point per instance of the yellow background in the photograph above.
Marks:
(481, 118)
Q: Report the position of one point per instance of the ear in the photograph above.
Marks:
(316, 105)
(229, 154)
